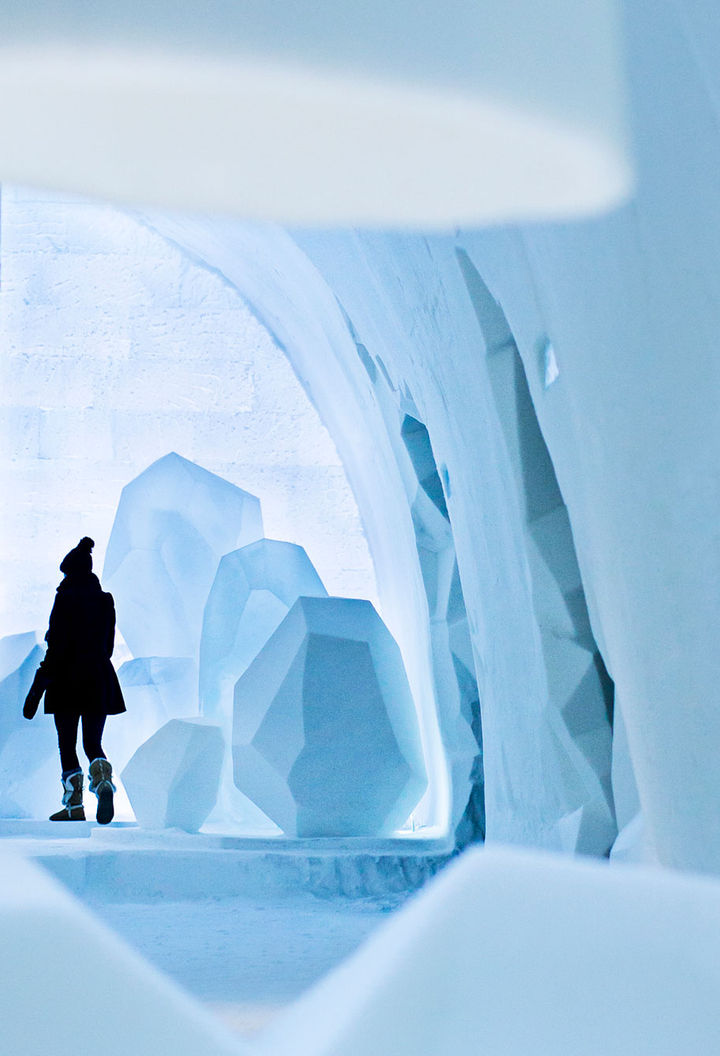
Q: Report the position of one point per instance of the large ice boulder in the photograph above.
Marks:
(173, 524)
(253, 590)
(29, 761)
(172, 779)
(325, 735)
(123, 1003)
(517, 953)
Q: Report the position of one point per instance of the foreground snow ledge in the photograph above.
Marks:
(292, 143)
(523, 954)
(67, 978)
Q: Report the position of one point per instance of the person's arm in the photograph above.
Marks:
(55, 636)
(110, 641)
(32, 700)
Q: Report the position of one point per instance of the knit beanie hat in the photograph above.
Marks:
(79, 559)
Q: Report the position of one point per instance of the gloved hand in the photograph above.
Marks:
(32, 700)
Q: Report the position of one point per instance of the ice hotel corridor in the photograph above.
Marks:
(375, 347)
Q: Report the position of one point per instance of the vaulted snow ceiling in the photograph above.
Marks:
(527, 413)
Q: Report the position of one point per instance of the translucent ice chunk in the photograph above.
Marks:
(173, 524)
(325, 736)
(29, 762)
(172, 779)
(253, 590)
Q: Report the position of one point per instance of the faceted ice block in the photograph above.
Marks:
(156, 689)
(20, 655)
(325, 736)
(166, 686)
(253, 590)
(173, 524)
(172, 779)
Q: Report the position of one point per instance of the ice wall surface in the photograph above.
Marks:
(173, 524)
(516, 953)
(325, 736)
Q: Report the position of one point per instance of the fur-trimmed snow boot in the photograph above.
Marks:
(72, 798)
(101, 784)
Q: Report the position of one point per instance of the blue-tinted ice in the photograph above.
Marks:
(325, 735)
(253, 590)
(173, 524)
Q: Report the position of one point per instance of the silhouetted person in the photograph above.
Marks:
(79, 681)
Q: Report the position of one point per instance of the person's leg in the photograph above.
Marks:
(100, 769)
(66, 725)
(67, 730)
(92, 731)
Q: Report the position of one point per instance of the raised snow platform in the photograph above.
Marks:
(123, 863)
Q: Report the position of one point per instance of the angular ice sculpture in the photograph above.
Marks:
(172, 779)
(173, 524)
(325, 736)
(30, 770)
(515, 953)
(20, 655)
(46, 937)
(253, 590)
(156, 689)
(163, 686)
(29, 762)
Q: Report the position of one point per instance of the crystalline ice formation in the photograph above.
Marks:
(20, 655)
(30, 770)
(172, 779)
(165, 686)
(516, 953)
(39, 924)
(155, 688)
(173, 524)
(325, 736)
(253, 590)
(29, 766)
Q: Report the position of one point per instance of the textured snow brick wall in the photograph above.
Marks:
(66, 978)
(172, 779)
(117, 348)
(516, 953)
(173, 524)
(325, 736)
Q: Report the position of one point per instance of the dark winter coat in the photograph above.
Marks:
(77, 670)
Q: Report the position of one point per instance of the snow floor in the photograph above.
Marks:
(246, 926)
(247, 958)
